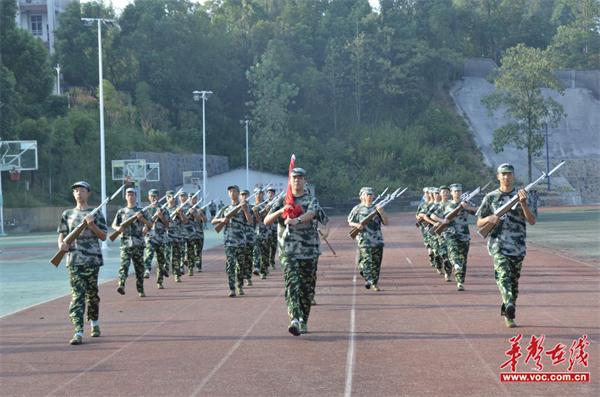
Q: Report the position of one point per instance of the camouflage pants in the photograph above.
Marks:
(136, 255)
(261, 256)
(199, 246)
(298, 277)
(272, 244)
(149, 252)
(234, 256)
(370, 262)
(507, 271)
(440, 251)
(190, 257)
(246, 264)
(458, 251)
(161, 260)
(176, 255)
(84, 290)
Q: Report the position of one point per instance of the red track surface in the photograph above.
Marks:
(418, 337)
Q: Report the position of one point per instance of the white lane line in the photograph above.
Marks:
(351, 342)
(408, 260)
(237, 344)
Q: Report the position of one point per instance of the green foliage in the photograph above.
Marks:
(519, 82)
(359, 96)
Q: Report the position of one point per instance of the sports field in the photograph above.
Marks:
(417, 337)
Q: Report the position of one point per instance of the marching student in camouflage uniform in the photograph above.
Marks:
(250, 234)
(234, 238)
(425, 226)
(197, 218)
(176, 235)
(84, 259)
(156, 238)
(298, 248)
(271, 231)
(132, 243)
(506, 243)
(261, 247)
(442, 248)
(188, 249)
(370, 238)
(457, 234)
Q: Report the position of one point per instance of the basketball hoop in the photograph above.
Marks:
(14, 175)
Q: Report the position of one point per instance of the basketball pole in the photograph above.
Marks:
(1, 208)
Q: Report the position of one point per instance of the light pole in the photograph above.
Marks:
(57, 68)
(89, 22)
(197, 95)
(547, 156)
(246, 121)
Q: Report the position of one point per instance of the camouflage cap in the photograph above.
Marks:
(456, 186)
(258, 190)
(366, 190)
(245, 192)
(170, 192)
(425, 190)
(271, 189)
(434, 190)
(444, 187)
(153, 192)
(505, 168)
(183, 193)
(83, 184)
(298, 172)
(236, 187)
(130, 190)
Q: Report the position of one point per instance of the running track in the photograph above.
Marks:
(418, 337)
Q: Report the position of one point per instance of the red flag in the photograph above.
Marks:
(296, 209)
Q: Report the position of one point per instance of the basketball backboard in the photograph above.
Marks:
(192, 178)
(152, 172)
(18, 156)
(134, 169)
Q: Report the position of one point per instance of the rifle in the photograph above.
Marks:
(267, 208)
(380, 196)
(75, 233)
(440, 226)
(391, 197)
(228, 216)
(326, 242)
(486, 229)
(130, 220)
(189, 211)
(174, 215)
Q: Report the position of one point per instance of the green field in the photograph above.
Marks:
(574, 230)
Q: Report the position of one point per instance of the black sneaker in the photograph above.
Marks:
(294, 327)
(368, 285)
(510, 310)
(77, 339)
(255, 272)
(121, 289)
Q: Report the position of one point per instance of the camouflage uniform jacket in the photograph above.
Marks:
(458, 228)
(133, 235)
(371, 235)
(249, 228)
(158, 233)
(176, 231)
(508, 238)
(298, 241)
(234, 232)
(85, 250)
(422, 209)
(262, 230)
(188, 229)
(198, 226)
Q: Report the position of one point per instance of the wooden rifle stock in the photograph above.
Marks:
(58, 257)
(228, 217)
(354, 231)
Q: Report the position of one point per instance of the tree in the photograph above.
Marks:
(519, 82)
